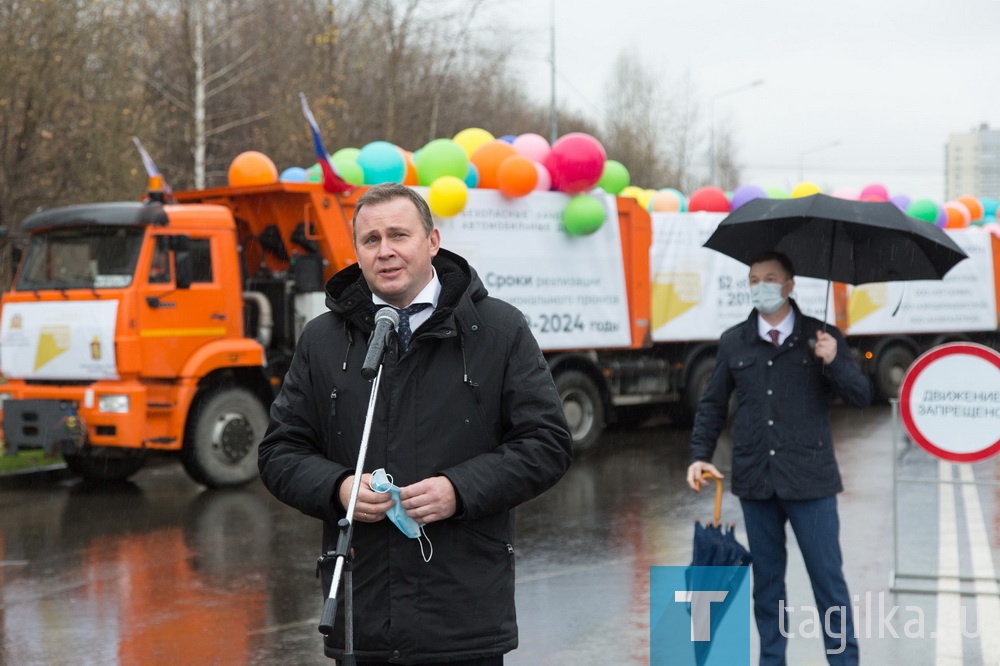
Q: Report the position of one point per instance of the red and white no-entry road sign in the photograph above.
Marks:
(950, 402)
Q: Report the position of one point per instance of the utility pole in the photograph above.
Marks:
(553, 122)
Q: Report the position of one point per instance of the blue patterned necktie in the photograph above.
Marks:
(403, 330)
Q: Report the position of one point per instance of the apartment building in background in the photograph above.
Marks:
(972, 164)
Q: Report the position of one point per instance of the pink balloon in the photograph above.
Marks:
(845, 193)
(532, 146)
(665, 201)
(544, 183)
(575, 162)
(874, 192)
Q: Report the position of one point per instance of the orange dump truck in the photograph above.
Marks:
(132, 329)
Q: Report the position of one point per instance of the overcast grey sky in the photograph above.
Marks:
(887, 79)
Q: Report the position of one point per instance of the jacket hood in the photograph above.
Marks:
(348, 294)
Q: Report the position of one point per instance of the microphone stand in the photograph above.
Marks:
(343, 554)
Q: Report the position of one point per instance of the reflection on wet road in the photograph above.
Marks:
(162, 571)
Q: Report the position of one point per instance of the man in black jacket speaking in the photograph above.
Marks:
(467, 423)
(785, 368)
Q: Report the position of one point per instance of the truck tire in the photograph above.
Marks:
(583, 407)
(694, 388)
(224, 431)
(102, 468)
(890, 369)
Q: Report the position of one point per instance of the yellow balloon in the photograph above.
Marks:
(805, 189)
(472, 138)
(644, 198)
(447, 195)
(631, 191)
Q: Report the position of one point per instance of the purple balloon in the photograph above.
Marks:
(745, 193)
(901, 201)
(942, 218)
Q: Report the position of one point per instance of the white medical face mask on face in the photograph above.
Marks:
(766, 296)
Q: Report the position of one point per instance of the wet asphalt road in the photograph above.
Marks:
(163, 571)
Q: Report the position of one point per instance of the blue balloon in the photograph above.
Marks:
(509, 138)
(293, 175)
(382, 162)
(990, 205)
(472, 176)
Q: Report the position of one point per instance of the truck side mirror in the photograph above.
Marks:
(185, 273)
(179, 242)
(16, 251)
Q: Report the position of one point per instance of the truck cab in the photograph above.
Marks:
(123, 336)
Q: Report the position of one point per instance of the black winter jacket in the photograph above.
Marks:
(782, 444)
(472, 399)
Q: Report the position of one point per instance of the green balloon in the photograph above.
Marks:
(776, 193)
(583, 215)
(345, 153)
(314, 174)
(614, 178)
(441, 157)
(349, 169)
(923, 209)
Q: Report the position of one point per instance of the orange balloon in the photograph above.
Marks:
(252, 168)
(956, 217)
(974, 206)
(517, 176)
(410, 178)
(488, 158)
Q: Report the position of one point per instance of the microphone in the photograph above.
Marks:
(386, 321)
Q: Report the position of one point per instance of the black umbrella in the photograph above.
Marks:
(837, 239)
(715, 545)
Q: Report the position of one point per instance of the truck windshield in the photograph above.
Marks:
(81, 258)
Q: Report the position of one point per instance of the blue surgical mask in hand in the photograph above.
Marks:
(382, 483)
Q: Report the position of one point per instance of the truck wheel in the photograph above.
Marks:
(890, 369)
(102, 468)
(224, 430)
(694, 388)
(583, 408)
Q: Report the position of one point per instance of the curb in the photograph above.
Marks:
(27, 478)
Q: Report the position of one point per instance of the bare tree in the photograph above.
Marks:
(727, 171)
(66, 109)
(200, 81)
(683, 140)
(637, 121)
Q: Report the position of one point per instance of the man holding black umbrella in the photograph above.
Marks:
(785, 367)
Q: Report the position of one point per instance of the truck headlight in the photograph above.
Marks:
(113, 404)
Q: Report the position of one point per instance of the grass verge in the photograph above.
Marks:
(26, 460)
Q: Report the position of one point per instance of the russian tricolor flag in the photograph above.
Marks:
(150, 166)
(331, 181)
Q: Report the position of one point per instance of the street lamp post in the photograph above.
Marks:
(553, 112)
(814, 149)
(711, 107)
